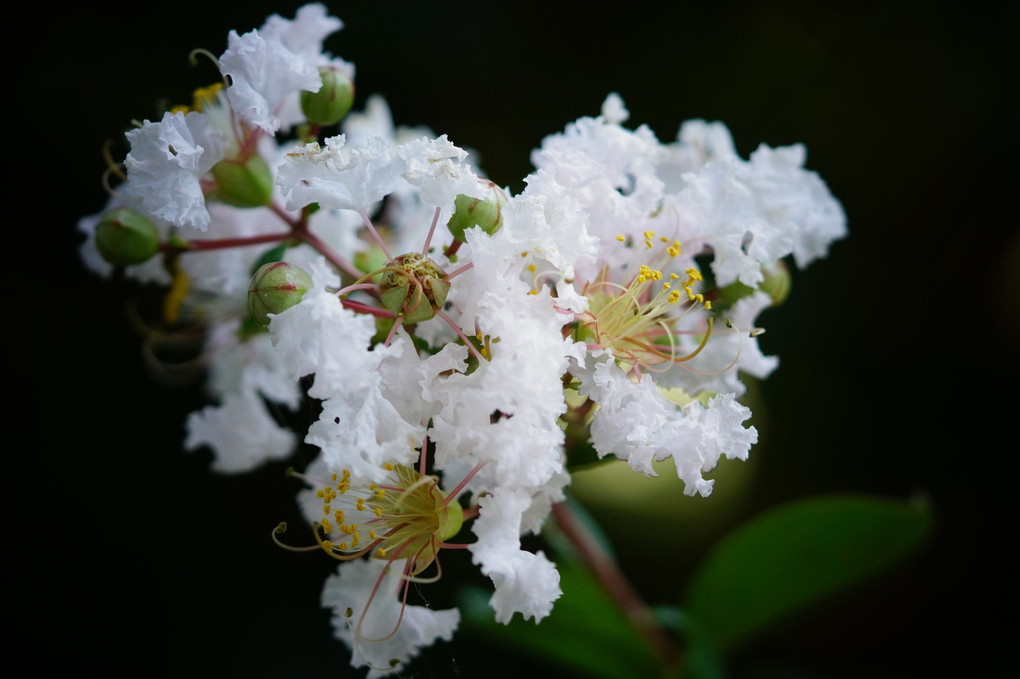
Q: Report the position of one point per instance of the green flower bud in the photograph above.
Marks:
(274, 288)
(777, 282)
(125, 237)
(243, 183)
(486, 212)
(333, 100)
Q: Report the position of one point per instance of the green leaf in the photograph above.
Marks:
(794, 556)
(586, 634)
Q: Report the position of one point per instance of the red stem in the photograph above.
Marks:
(615, 583)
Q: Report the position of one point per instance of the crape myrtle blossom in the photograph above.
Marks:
(269, 67)
(461, 344)
(656, 359)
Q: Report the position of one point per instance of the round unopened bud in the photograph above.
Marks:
(274, 288)
(125, 237)
(486, 213)
(333, 100)
(776, 284)
(243, 183)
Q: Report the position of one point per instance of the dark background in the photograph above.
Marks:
(897, 376)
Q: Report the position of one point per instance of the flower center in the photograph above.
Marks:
(638, 321)
(405, 517)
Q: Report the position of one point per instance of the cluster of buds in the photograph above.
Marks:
(452, 332)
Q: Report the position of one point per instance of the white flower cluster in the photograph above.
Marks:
(617, 293)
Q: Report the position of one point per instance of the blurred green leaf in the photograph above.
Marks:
(586, 634)
(796, 555)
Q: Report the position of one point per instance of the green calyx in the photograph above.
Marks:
(485, 213)
(125, 237)
(333, 100)
(274, 288)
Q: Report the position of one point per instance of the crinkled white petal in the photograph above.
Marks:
(796, 200)
(506, 411)
(269, 67)
(165, 165)
(438, 168)
(305, 34)
(635, 422)
(351, 587)
(359, 428)
(338, 176)
(241, 433)
(525, 583)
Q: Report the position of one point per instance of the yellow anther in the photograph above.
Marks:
(380, 493)
(620, 237)
(388, 467)
(649, 235)
(338, 516)
(708, 304)
(342, 546)
(327, 527)
(377, 511)
(333, 477)
(381, 552)
(361, 504)
(663, 239)
(371, 534)
(203, 96)
(674, 297)
(673, 277)
(325, 510)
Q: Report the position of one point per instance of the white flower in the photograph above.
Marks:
(165, 165)
(524, 583)
(637, 423)
(269, 67)
(437, 168)
(340, 177)
(241, 433)
(244, 374)
(369, 616)
(359, 428)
